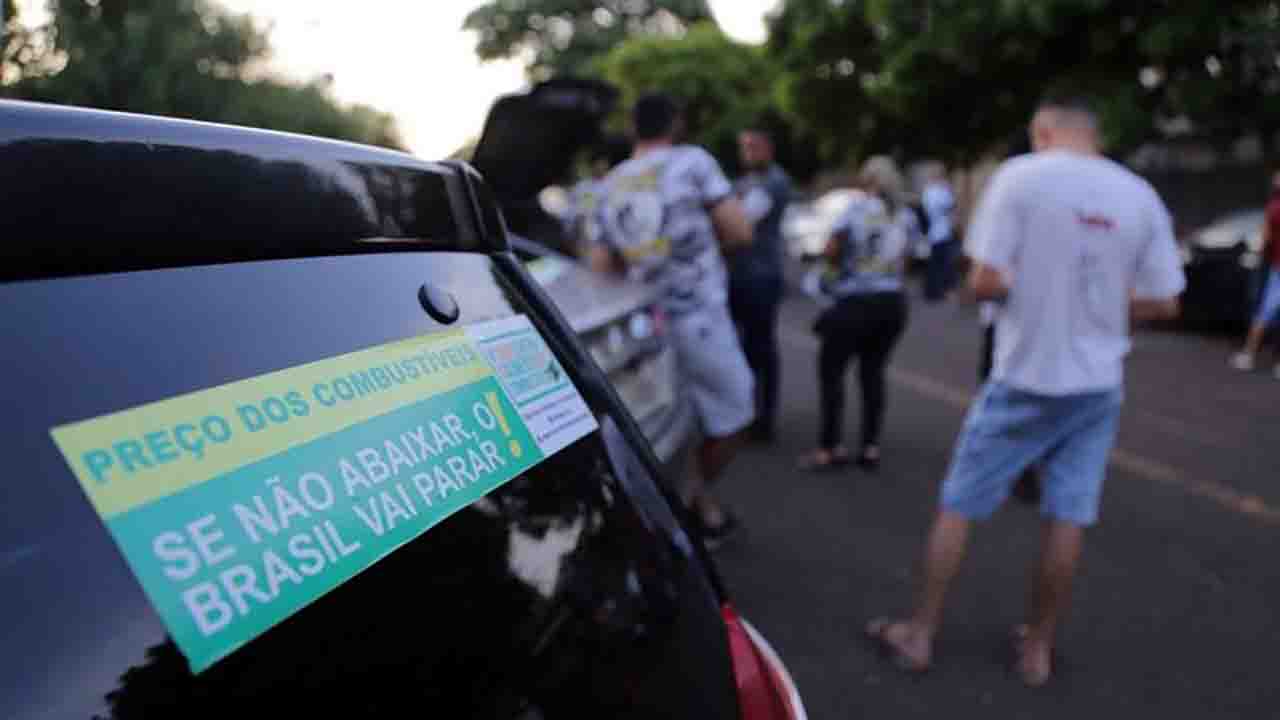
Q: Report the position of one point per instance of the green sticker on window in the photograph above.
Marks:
(238, 505)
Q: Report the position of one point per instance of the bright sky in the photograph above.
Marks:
(411, 57)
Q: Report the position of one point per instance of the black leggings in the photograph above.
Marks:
(867, 327)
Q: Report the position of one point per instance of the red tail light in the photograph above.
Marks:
(765, 688)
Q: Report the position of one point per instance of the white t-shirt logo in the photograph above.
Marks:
(1095, 221)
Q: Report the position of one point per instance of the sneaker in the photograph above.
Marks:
(1242, 361)
(714, 537)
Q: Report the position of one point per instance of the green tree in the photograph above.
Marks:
(565, 36)
(181, 58)
(724, 85)
(826, 57)
(952, 78)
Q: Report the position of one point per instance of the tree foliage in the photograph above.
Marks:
(826, 56)
(724, 85)
(565, 36)
(951, 78)
(181, 58)
(942, 78)
(989, 63)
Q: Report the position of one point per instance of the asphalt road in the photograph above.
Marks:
(1173, 613)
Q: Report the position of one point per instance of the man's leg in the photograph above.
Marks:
(1003, 433)
(911, 640)
(769, 365)
(1268, 309)
(933, 273)
(949, 266)
(1073, 474)
(755, 313)
(1253, 341)
(944, 552)
(720, 385)
(1050, 591)
(712, 458)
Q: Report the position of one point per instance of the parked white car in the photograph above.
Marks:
(807, 225)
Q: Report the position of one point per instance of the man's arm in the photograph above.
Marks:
(1147, 310)
(603, 260)
(986, 283)
(1159, 279)
(731, 224)
(994, 238)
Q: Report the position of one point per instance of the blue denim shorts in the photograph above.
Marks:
(1069, 439)
(1269, 308)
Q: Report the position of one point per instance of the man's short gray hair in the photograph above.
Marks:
(884, 173)
(1069, 110)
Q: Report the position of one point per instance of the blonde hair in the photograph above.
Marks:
(881, 174)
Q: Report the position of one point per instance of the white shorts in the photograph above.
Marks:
(715, 370)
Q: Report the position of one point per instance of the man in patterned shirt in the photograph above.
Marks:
(665, 216)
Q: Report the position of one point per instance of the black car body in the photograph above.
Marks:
(530, 142)
(1225, 268)
(145, 259)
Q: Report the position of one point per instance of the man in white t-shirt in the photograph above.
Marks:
(1074, 247)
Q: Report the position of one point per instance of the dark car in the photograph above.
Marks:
(1223, 263)
(530, 142)
(292, 432)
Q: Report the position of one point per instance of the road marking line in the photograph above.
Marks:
(1124, 460)
(1186, 431)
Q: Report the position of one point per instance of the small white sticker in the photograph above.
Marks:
(534, 381)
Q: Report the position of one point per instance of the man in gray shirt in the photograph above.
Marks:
(666, 215)
(755, 273)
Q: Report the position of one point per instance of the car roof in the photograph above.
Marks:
(92, 191)
(1239, 217)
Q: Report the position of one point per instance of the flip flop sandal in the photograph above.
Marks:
(878, 632)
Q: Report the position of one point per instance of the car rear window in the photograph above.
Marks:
(443, 620)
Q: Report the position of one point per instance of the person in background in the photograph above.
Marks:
(580, 221)
(939, 204)
(666, 215)
(867, 313)
(913, 221)
(1075, 247)
(755, 274)
(1268, 312)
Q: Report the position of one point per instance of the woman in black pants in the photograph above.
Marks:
(867, 314)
